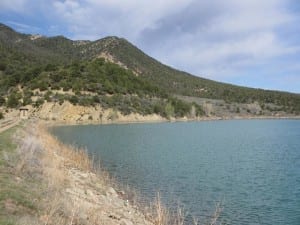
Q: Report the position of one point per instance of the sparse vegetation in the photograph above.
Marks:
(36, 170)
(16, 197)
(181, 83)
(35, 174)
(135, 83)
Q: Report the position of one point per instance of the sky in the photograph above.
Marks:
(252, 43)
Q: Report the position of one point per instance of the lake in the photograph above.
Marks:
(251, 166)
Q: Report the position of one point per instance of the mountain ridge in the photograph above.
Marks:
(63, 52)
(117, 41)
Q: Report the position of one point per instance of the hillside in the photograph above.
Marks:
(182, 83)
(115, 74)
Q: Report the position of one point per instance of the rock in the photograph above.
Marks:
(111, 192)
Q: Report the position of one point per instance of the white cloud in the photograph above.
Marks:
(116, 17)
(240, 35)
(12, 5)
(216, 38)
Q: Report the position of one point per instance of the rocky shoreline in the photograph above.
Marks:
(69, 114)
(58, 183)
(76, 193)
(94, 199)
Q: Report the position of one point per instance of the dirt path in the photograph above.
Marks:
(8, 123)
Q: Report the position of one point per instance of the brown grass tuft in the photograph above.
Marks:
(162, 215)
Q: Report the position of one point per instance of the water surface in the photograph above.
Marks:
(252, 166)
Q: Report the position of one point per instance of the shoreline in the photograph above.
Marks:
(52, 123)
(90, 188)
(72, 183)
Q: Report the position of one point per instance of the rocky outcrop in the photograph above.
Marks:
(71, 114)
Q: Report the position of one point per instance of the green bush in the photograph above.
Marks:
(2, 101)
(169, 110)
(74, 99)
(61, 100)
(27, 100)
(2, 66)
(48, 96)
(12, 101)
(1, 116)
(39, 102)
(42, 85)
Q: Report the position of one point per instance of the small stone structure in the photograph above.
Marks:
(24, 113)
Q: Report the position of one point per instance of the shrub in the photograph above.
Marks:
(1, 116)
(74, 99)
(2, 66)
(48, 96)
(199, 110)
(86, 101)
(43, 86)
(169, 110)
(96, 99)
(39, 102)
(12, 101)
(27, 100)
(2, 101)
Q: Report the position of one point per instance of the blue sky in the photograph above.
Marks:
(251, 42)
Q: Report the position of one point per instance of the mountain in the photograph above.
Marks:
(113, 66)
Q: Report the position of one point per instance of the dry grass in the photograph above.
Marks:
(46, 159)
(216, 214)
(57, 159)
(162, 214)
(72, 157)
(29, 149)
(40, 166)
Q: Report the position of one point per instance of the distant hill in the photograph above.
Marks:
(117, 74)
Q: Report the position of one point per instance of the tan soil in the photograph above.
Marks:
(71, 114)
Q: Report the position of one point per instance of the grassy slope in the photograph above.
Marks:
(17, 192)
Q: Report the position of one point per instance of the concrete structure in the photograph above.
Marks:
(24, 113)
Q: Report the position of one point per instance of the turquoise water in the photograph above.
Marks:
(252, 166)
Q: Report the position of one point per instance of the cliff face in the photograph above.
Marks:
(68, 113)
(71, 114)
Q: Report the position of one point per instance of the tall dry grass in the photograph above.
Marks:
(44, 154)
(71, 156)
(161, 213)
(43, 159)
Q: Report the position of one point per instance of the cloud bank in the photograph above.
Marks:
(249, 42)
